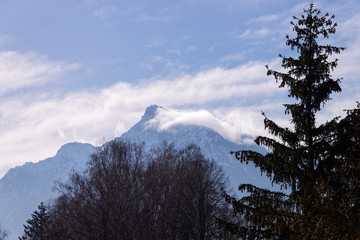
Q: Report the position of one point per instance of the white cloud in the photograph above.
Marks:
(131, 11)
(237, 124)
(265, 19)
(18, 70)
(232, 57)
(256, 33)
(175, 51)
(104, 11)
(271, 27)
(232, 123)
(146, 66)
(4, 39)
(34, 127)
(155, 43)
(190, 49)
(164, 66)
(146, 18)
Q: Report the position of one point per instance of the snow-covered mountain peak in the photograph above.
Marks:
(150, 113)
(74, 150)
(179, 132)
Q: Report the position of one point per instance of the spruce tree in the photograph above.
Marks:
(318, 164)
(36, 226)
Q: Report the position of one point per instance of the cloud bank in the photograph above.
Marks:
(227, 100)
(38, 125)
(35, 123)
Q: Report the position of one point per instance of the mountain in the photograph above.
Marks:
(24, 187)
(212, 145)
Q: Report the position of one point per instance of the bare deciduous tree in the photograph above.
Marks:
(127, 194)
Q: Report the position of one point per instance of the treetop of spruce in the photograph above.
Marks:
(319, 163)
(36, 228)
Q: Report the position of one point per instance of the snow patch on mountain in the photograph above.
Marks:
(212, 144)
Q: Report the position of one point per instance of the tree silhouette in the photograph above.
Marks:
(318, 163)
(126, 193)
(36, 226)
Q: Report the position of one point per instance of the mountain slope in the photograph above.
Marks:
(212, 144)
(23, 188)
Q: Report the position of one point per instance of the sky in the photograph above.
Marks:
(85, 70)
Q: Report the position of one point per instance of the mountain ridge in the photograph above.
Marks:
(34, 181)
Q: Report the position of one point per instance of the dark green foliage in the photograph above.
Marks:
(37, 225)
(318, 164)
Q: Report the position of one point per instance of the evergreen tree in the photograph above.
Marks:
(318, 164)
(36, 228)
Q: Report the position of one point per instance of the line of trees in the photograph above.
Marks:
(127, 193)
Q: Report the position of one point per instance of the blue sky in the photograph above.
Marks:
(83, 70)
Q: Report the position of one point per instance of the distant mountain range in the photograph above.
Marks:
(24, 187)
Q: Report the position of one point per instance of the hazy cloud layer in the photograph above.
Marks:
(215, 83)
(18, 70)
(29, 123)
(38, 125)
